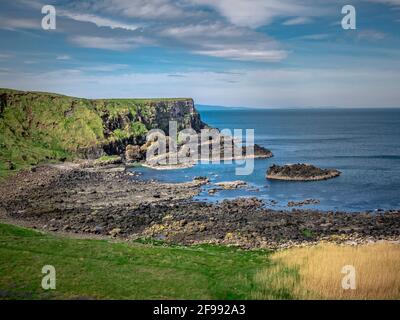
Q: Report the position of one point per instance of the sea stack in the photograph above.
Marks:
(300, 172)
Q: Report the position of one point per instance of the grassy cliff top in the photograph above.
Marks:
(137, 100)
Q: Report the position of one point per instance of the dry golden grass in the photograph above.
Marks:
(315, 272)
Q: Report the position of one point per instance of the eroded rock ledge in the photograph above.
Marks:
(300, 172)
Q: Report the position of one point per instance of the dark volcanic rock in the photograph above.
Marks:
(300, 172)
(261, 152)
(302, 203)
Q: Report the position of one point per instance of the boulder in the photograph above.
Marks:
(133, 153)
(229, 185)
(200, 179)
(115, 232)
(302, 203)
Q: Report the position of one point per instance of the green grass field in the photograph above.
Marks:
(101, 269)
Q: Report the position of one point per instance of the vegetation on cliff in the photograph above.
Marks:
(37, 127)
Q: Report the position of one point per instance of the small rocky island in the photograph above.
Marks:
(300, 172)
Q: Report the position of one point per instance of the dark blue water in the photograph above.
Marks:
(363, 144)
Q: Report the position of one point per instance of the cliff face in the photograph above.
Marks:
(182, 111)
(144, 115)
(40, 126)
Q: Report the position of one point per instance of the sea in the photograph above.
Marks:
(364, 144)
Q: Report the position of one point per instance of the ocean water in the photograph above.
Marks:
(364, 144)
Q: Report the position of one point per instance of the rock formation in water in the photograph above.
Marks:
(300, 172)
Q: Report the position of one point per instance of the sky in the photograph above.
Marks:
(254, 53)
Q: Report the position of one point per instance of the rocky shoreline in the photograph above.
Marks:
(110, 201)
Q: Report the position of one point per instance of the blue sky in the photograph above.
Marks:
(259, 53)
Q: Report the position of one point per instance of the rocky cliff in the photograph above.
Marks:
(144, 115)
(35, 126)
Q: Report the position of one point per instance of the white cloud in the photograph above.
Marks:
(256, 13)
(209, 30)
(98, 21)
(116, 44)
(4, 56)
(245, 54)
(63, 57)
(390, 2)
(297, 21)
(315, 37)
(19, 23)
(143, 9)
(226, 41)
(370, 35)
